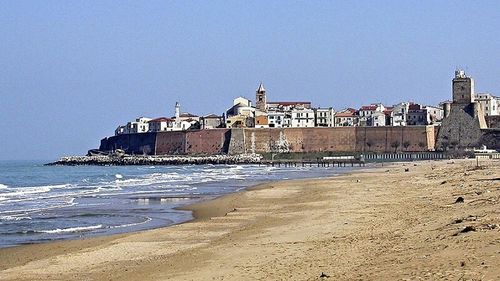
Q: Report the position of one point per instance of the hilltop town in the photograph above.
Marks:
(301, 114)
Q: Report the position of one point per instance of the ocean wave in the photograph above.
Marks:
(26, 191)
(148, 219)
(3, 186)
(14, 218)
(71, 229)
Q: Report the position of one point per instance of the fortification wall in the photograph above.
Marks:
(236, 141)
(282, 140)
(391, 139)
(132, 143)
(493, 121)
(277, 140)
(214, 141)
(491, 138)
(170, 143)
(462, 128)
(338, 139)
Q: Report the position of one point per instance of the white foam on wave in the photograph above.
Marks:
(118, 176)
(22, 191)
(71, 229)
(3, 186)
(14, 218)
(148, 219)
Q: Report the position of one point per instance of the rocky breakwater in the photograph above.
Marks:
(105, 160)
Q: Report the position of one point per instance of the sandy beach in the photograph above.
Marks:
(405, 221)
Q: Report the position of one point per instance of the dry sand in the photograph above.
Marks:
(379, 224)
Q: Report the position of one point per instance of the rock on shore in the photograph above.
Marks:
(105, 160)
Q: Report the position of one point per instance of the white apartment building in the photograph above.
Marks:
(140, 125)
(489, 103)
(346, 118)
(325, 117)
(276, 119)
(302, 118)
(365, 113)
(378, 119)
(400, 114)
(161, 124)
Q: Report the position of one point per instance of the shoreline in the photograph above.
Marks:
(299, 228)
(201, 211)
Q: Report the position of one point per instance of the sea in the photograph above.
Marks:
(41, 203)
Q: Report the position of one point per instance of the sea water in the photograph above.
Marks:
(43, 203)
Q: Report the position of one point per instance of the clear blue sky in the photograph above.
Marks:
(71, 71)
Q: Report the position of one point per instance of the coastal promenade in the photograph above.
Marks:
(425, 220)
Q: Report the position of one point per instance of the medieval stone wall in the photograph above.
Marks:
(395, 139)
(214, 141)
(491, 138)
(277, 140)
(462, 128)
(171, 143)
(493, 121)
(338, 139)
(143, 143)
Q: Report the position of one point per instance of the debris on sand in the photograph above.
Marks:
(459, 200)
(466, 229)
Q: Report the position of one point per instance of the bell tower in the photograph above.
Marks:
(260, 98)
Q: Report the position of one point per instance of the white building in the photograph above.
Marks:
(325, 117)
(161, 124)
(241, 106)
(424, 114)
(365, 113)
(346, 118)
(489, 103)
(302, 118)
(211, 121)
(276, 119)
(378, 119)
(140, 125)
(400, 114)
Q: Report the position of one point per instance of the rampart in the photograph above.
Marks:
(338, 139)
(493, 121)
(143, 143)
(277, 140)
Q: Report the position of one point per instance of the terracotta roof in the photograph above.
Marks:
(344, 114)
(285, 103)
(414, 106)
(368, 107)
(161, 119)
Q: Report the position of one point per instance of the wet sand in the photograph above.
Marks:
(379, 224)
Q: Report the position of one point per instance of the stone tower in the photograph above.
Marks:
(463, 88)
(260, 98)
(464, 119)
